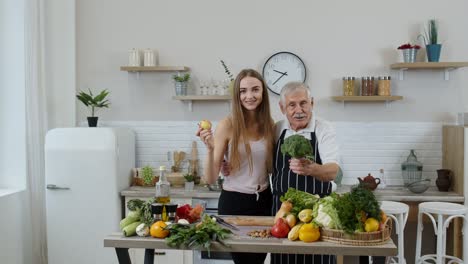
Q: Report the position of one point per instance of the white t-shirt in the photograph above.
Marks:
(324, 132)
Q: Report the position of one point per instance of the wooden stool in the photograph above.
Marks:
(440, 214)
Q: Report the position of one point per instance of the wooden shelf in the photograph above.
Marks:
(367, 98)
(154, 68)
(429, 65)
(446, 66)
(202, 97)
(191, 98)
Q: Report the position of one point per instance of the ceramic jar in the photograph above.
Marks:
(443, 179)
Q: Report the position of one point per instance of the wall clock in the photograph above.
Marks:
(281, 68)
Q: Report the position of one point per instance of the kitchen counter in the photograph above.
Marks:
(397, 193)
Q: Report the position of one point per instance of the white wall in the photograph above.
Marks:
(15, 228)
(334, 38)
(12, 92)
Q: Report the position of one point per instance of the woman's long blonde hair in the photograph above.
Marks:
(263, 118)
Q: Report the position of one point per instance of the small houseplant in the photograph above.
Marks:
(98, 101)
(189, 182)
(409, 52)
(147, 175)
(181, 83)
(431, 38)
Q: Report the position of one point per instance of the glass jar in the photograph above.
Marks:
(411, 169)
(348, 86)
(367, 86)
(384, 86)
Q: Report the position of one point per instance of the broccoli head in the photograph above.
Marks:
(297, 146)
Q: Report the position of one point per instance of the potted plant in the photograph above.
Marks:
(147, 175)
(98, 101)
(189, 182)
(181, 83)
(409, 52)
(229, 74)
(430, 38)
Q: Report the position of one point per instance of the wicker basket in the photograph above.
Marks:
(357, 238)
(138, 181)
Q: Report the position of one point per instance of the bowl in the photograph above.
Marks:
(419, 186)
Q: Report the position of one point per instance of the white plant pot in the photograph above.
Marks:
(189, 186)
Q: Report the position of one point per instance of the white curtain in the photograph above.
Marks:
(36, 124)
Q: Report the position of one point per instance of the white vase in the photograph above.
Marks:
(189, 186)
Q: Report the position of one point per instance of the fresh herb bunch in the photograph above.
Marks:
(183, 78)
(147, 172)
(431, 34)
(189, 177)
(356, 206)
(144, 208)
(297, 146)
(98, 101)
(197, 236)
(226, 70)
(300, 200)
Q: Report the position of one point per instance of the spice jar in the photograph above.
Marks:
(367, 86)
(156, 210)
(171, 212)
(348, 86)
(384, 85)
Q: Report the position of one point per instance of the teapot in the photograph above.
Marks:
(369, 182)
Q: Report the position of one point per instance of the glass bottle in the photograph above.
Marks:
(163, 187)
(382, 184)
(411, 169)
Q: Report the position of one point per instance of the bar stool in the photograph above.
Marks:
(440, 214)
(398, 212)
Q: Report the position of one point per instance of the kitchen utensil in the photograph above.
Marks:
(179, 156)
(222, 222)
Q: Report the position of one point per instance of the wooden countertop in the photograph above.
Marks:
(273, 245)
(394, 193)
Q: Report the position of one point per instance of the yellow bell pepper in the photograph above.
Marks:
(309, 233)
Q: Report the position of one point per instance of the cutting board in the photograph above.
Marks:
(249, 220)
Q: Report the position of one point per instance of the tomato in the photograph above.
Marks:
(157, 230)
(280, 229)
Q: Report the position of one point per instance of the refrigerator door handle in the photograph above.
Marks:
(55, 187)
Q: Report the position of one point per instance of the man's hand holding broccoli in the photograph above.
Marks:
(299, 148)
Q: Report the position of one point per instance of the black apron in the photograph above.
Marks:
(282, 179)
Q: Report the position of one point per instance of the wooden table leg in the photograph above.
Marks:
(339, 260)
(123, 256)
(149, 256)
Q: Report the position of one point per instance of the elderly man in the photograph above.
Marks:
(310, 176)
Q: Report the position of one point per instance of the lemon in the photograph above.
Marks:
(371, 225)
(305, 215)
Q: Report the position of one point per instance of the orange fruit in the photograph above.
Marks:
(383, 216)
(157, 230)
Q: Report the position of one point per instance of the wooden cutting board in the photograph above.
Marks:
(249, 220)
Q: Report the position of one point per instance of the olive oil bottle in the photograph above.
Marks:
(163, 187)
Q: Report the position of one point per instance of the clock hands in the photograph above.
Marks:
(282, 74)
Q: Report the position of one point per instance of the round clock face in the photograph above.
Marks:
(281, 68)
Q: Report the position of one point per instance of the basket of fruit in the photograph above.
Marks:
(352, 218)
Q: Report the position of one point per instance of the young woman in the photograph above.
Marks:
(245, 139)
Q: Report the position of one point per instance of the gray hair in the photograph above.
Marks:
(292, 87)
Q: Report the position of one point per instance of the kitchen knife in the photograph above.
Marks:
(222, 222)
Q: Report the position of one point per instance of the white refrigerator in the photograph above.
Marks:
(86, 168)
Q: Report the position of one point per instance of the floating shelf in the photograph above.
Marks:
(378, 98)
(367, 98)
(191, 98)
(154, 68)
(446, 66)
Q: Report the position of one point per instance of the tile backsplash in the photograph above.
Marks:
(364, 147)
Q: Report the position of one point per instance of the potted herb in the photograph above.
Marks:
(229, 74)
(189, 182)
(181, 83)
(147, 175)
(409, 52)
(430, 38)
(98, 101)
